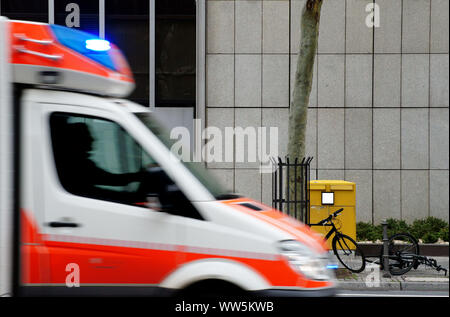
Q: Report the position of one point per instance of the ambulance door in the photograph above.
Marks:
(99, 233)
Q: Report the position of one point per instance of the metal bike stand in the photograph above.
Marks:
(291, 201)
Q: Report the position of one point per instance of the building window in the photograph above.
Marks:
(175, 53)
(36, 10)
(127, 26)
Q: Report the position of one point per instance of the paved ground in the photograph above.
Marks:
(372, 279)
(391, 293)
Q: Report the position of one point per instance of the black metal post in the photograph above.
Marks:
(281, 183)
(386, 272)
(295, 188)
(288, 202)
(274, 184)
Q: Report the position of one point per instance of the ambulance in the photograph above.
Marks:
(94, 203)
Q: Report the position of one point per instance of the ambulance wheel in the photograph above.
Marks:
(212, 288)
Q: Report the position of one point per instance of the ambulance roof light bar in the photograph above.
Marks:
(69, 59)
(85, 44)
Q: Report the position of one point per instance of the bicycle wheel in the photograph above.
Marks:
(349, 253)
(403, 249)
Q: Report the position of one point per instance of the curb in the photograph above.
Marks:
(357, 285)
(419, 286)
(394, 285)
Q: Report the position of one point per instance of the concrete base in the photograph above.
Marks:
(425, 249)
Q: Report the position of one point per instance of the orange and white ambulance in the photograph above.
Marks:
(93, 202)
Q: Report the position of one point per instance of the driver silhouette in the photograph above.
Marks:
(78, 173)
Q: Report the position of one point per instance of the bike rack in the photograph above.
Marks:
(292, 201)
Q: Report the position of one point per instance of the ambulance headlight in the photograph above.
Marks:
(305, 260)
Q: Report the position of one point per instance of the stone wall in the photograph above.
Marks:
(378, 111)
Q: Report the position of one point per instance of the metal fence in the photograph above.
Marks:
(293, 197)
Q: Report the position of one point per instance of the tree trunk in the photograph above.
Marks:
(302, 87)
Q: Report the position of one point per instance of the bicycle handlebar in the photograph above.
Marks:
(337, 212)
(333, 215)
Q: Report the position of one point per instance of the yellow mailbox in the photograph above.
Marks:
(327, 196)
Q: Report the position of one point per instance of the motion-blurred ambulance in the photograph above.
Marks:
(93, 202)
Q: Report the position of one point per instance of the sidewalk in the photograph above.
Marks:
(424, 278)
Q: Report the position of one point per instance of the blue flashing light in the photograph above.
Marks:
(86, 44)
(98, 45)
(332, 267)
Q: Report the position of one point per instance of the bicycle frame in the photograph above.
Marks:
(333, 230)
(328, 222)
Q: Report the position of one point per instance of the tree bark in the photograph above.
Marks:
(302, 87)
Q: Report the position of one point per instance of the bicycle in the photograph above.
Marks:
(349, 253)
(403, 254)
(403, 251)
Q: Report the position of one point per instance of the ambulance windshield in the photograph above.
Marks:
(197, 169)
